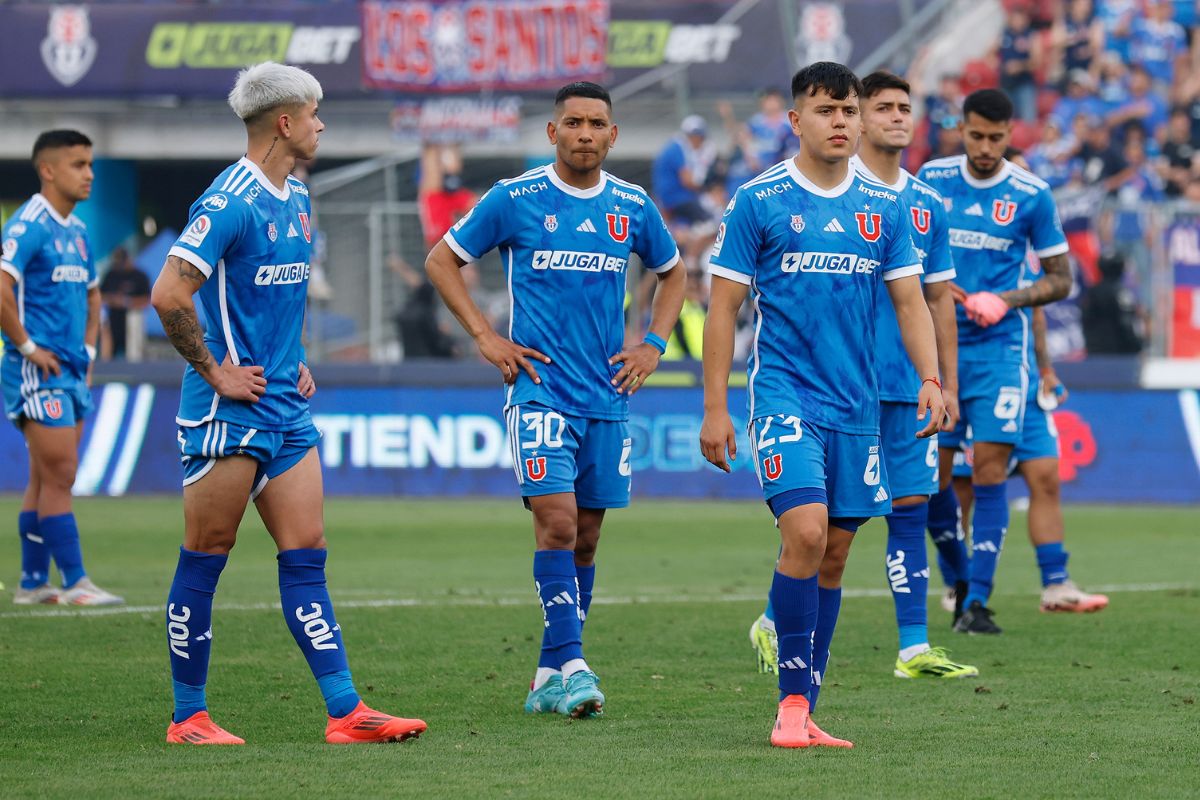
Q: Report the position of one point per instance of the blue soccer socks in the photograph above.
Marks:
(907, 565)
(62, 538)
(953, 560)
(829, 606)
(554, 577)
(1052, 561)
(35, 555)
(189, 627)
(308, 612)
(586, 577)
(989, 526)
(794, 602)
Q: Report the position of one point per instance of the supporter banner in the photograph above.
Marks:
(126, 49)
(1117, 447)
(425, 46)
(1183, 250)
(458, 119)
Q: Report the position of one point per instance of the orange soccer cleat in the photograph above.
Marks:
(1066, 596)
(819, 738)
(792, 723)
(200, 729)
(364, 725)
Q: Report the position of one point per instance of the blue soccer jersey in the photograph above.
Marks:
(253, 242)
(565, 253)
(926, 215)
(51, 261)
(992, 223)
(814, 259)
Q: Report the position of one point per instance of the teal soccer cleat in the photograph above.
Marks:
(583, 695)
(549, 699)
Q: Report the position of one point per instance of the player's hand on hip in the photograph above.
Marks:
(239, 383)
(306, 385)
(637, 363)
(985, 309)
(931, 408)
(510, 357)
(950, 419)
(45, 361)
(718, 437)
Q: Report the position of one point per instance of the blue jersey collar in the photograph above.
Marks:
(280, 194)
(54, 215)
(584, 194)
(856, 162)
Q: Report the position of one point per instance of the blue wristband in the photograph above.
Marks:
(655, 341)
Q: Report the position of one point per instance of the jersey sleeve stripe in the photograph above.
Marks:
(938, 277)
(667, 265)
(1053, 250)
(728, 274)
(193, 259)
(11, 269)
(458, 248)
(902, 272)
(95, 282)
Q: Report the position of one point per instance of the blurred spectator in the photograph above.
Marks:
(1078, 36)
(1080, 99)
(421, 334)
(1144, 105)
(1099, 158)
(1111, 316)
(1136, 186)
(1051, 158)
(1156, 41)
(441, 196)
(764, 140)
(1116, 17)
(942, 109)
(1018, 60)
(687, 337)
(1175, 163)
(125, 288)
(680, 171)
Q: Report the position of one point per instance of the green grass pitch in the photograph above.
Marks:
(439, 617)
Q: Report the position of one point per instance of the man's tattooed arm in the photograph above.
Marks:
(1055, 284)
(181, 324)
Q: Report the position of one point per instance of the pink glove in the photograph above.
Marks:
(985, 309)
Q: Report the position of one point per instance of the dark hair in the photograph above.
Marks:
(52, 140)
(583, 89)
(770, 91)
(836, 80)
(1012, 152)
(881, 79)
(991, 104)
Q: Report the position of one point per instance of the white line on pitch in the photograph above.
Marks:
(521, 600)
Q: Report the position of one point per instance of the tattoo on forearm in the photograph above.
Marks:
(185, 270)
(1040, 349)
(183, 329)
(1055, 284)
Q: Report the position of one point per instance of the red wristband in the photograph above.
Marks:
(934, 381)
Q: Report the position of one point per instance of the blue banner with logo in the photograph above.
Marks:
(1117, 447)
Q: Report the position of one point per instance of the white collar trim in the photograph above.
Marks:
(986, 183)
(584, 194)
(256, 171)
(901, 182)
(59, 218)
(806, 184)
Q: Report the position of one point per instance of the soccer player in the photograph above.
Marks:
(813, 240)
(51, 324)
(565, 233)
(245, 431)
(997, 211)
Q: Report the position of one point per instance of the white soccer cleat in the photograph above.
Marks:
(1066, 596)
(38, 595)
(86, 593)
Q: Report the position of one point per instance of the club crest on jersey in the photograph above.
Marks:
(797, 223)
(773, 467)
(535, 468)
(870, 226)
(53, 407)
(304, 226)
(1003, 211)
(920, 219)
(618, 226)
(551, 223)
(272, 231)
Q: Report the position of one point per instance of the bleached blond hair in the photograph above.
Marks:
(261, 87)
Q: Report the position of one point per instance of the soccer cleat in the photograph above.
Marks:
(977, 619)
(583, 696)
(364, 725)
(819, 738)
(200, 729)
(948, 598)
(792, 723)
(933, 663)
(960, 594)
(766, 646)
(38, 595)
(551, 698)
(86, 593)
(1066, 596)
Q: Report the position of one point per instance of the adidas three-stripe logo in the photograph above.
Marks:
(834, 226)
(586, 226)
(562, 598)
(793, 663)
